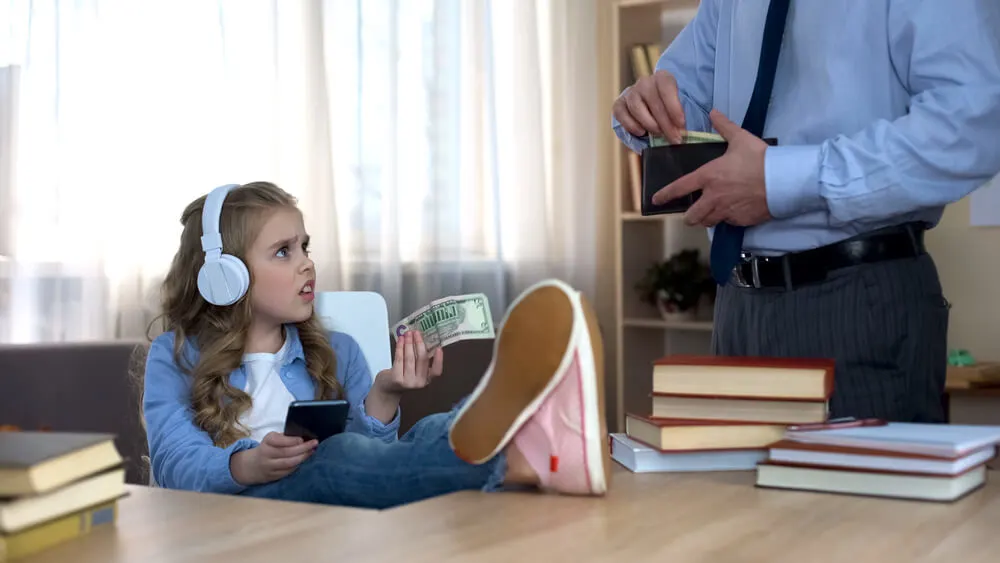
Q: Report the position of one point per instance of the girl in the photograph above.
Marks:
(242, 341)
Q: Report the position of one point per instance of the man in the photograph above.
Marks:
(884, 111)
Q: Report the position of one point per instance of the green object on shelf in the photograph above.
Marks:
(958, 358)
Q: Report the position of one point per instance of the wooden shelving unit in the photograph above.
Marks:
(669, 325)
(641, 335)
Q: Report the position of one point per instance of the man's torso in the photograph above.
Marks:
(835, 76)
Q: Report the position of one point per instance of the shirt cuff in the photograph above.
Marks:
(791, 178)
(221, 471)
(377, 428)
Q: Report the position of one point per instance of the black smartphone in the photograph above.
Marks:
(663, 164)
(316, 420)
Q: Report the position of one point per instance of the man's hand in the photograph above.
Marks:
(652, 105)
(732, 185)
(276, 456)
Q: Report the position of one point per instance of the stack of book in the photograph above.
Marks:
(941, 462)
(55, 486)
(711, 413)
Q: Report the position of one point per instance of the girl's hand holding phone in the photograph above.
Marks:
(276, 456)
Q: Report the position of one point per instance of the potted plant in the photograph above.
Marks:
(676, 286)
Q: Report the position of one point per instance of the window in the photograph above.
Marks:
(379, 115)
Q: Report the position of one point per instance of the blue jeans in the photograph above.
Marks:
(352, 469)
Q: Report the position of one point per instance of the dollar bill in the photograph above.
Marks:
(450, 319)
(687, 138)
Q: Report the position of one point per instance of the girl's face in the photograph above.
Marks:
(284, 276)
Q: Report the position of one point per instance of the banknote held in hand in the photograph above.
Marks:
(662, 164)
(448, 320)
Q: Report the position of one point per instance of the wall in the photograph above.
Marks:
(968, 259)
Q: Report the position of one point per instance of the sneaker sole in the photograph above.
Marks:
(530, 357)
(595, 426)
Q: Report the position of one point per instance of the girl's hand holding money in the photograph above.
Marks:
(412, 368)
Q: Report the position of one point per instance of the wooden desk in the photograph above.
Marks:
(718, 517)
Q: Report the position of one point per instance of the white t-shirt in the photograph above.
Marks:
(270, 396)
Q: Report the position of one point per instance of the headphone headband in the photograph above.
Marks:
(211, 213)
(223, 279)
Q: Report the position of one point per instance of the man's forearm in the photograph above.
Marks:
(942, 149)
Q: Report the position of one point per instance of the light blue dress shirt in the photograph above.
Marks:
(884, 110)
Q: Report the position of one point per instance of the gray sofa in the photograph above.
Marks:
(86, 387)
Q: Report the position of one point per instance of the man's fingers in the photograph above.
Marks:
(724, 126)
(625, 118)
(666, 85)
(654, 101)
(637, 107)
(652, 106)
(737, 215)
(699, 211)
(706, 212)
(717, 216)
(681, 186)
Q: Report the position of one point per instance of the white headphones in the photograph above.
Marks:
(223, 278)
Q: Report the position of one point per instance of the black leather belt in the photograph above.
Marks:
(811, 266)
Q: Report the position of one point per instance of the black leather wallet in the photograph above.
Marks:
(664, 164)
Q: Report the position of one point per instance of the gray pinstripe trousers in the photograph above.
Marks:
(885, 324)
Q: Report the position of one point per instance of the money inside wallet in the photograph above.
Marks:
(664, 162)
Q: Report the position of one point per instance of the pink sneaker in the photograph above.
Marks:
(547, 378)
(565, 442)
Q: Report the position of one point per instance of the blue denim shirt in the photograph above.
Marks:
(183, 456)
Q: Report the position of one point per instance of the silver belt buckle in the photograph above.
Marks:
(754, 280)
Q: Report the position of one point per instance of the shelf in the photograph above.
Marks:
(636, 216)
(669, 325)
(632, 3)
(640, 334)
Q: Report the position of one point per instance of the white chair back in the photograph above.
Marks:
(362, 315)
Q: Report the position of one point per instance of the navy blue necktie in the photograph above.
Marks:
(727, 241)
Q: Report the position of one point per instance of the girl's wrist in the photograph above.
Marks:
(382, 404)
(241, 465)
(383, 386)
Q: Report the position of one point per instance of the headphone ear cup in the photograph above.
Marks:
(224, 281)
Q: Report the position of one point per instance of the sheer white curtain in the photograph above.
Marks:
(436, 146)
(9, 84)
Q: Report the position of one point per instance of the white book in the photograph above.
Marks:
(865, 483)
(940, 440)
(640, 458)
(804, 454)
